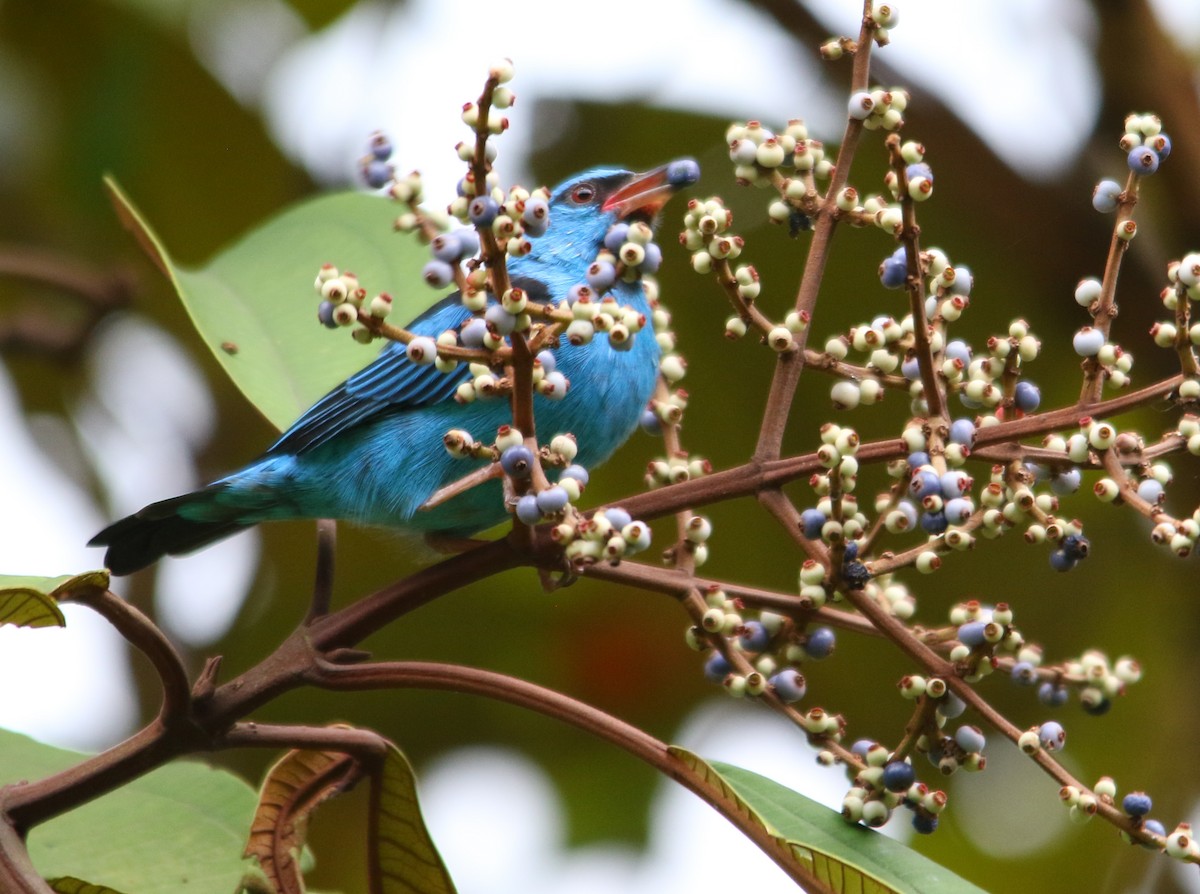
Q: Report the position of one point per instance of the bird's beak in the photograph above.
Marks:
(648, 192)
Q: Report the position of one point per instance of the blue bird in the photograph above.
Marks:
(370, 451)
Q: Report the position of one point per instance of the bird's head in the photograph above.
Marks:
(583, 207)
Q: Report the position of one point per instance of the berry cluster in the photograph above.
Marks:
(606, 535)
(856, 553)
(751, 652)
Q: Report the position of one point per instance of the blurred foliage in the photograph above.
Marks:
(114, 87)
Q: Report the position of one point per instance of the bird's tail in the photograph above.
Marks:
(165, 528)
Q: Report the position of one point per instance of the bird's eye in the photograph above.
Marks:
(583, 193)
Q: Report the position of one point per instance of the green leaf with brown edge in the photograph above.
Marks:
(33, 601)
(178, 828)
(848, 858)
(292, 789)
(70, 885)
(254, 305)
(401, 853)
(28, 607)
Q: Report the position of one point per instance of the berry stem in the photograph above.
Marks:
(791, 363)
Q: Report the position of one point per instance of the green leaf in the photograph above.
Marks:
(254, 305)
(403, 858)
(33, 601)
(180, 828)
(29, 607)
(849, 858)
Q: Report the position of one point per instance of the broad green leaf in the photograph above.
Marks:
(848, 858)
(403, 858)
(27, 607)
(254, 305)
(179, 828)
(33, 601)
(293, 788)
(70, 885)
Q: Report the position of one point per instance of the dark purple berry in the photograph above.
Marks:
(1060, 561)
(653, 259)
(855, 575)
(683, 172)
(962, 431)
(617, 517)
(898, 776)
(527, 510)
(716, 668)
(1053, 695)
(925, 823)
(1137, 804)
(553, 499)
(970, 634)
(601, 275)
(919, 169)
(579, 473)
(482, 211)
(325, 315)
(754, 637)
(381, 146)
(650, 422)
(438, 274)
(951, 706)
(894, 270)
(959, 350)
(472, 333)
(820, 643)
(969, 738)
(1142, 160)
(789, 685)
(616, 236)
(924, 482)
(1024, 673)
(517, 461)
(1052, 735)
(446, 247)
(1076, 546)
(376, 173)
(536, 217)
(934, 522)
(811, 522)
(500, 320)
(1027, 396)
(1106, 196)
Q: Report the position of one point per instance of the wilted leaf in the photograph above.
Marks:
(70, 885)
(33, 601)
(293, 788)
(846, 857)
(254, 305)
(27, 607)
(403, 857)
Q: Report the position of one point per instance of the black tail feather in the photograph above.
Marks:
(158, 530)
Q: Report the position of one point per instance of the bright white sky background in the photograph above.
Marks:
(385, 67)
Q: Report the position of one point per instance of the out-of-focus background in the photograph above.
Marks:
(215, 114)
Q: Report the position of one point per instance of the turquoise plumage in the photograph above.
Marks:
(371, 450)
